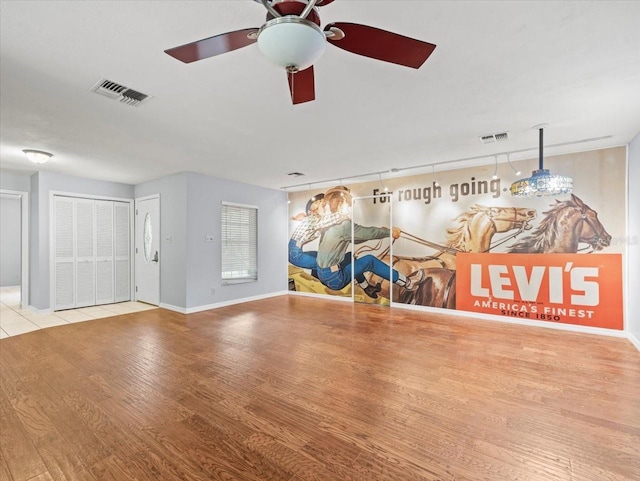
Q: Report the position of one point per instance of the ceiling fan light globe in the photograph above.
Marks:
(291, 42)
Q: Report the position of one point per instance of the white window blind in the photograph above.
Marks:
(239, 243)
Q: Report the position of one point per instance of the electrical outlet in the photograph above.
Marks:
(208, 238)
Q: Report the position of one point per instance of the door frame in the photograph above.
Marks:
(52, 234)
(390, 226)
(135, 243)
(24, 243)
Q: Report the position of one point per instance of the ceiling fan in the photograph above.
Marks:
(292, 38)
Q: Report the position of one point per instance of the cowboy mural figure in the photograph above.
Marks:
(333, 272)
(312, 222)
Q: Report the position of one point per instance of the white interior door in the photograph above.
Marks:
(148, 250)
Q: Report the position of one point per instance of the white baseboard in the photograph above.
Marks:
(169, 307)
(217, 305)
(488, 317)
(42, 312)
(635, 341)
(321, 296)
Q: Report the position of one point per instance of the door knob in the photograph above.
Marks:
(155, 257)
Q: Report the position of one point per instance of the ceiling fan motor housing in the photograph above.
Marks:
(294, 7)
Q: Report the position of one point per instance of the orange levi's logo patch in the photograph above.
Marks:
(579, 289)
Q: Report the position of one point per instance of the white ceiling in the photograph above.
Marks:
(498, 66)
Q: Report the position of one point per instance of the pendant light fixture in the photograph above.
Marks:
(542, 182)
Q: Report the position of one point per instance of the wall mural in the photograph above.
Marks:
(462, 242)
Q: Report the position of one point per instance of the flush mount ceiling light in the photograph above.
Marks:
(542, 182)
(37, 156)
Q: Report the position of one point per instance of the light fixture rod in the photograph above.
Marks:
(540, 143)
(270, 9)
(308, 8)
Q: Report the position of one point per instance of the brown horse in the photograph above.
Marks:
(437, 290)
(474, 232)
(566, 225)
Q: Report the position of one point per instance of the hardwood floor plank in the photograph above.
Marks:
(299, 389)
(64, 462)
(119, 468)
(4, 469)
(19, 455)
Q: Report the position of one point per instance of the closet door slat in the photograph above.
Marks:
(85, 253)
(104, 252)
(64, 252)
(122, 250)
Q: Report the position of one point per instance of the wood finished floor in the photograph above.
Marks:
(297, 389)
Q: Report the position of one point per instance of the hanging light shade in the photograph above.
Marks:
(291, 42)
(542, 182)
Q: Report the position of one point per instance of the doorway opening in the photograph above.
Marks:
(14, 246)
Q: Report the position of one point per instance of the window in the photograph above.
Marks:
(239, 243)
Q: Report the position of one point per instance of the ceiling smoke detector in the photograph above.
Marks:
(116, 91)
(295, 174)
(491, 138)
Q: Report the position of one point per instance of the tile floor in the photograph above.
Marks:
(15, 321)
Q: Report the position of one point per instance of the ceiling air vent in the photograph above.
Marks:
(491, 138)
(119, 92)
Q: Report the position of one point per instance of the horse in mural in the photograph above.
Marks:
(437, 290)
(565, 226)
(473, 233)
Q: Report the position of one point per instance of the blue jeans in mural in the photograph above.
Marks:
(340, 276)
(300, 258)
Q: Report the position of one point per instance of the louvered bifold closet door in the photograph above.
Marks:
(85, 253)
(122, 251)
(64, 222)
(104, 252)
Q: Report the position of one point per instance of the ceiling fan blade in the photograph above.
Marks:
(381, 45)
(212, 46)
(302, 86)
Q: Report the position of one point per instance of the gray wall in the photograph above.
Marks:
(204, 259)
(10, 237)
(190, 268)
(42, 184)
(633, 257)
(173, 235)
(11, 180)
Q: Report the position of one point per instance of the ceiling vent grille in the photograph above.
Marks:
(119, 92)
(491, 138)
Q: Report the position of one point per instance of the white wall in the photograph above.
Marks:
(633, 256)
(10, 239)
(42, 184)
